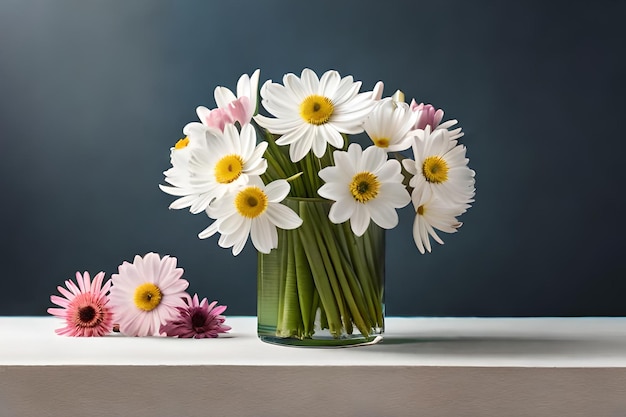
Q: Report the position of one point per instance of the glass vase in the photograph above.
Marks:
(323, 285)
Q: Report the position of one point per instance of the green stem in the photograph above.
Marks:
(343, 267)
(319, 272)
(377, 266)
(291, 319)
(365, 274)
(305, 287)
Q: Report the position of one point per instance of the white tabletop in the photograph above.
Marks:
(485, 342)
(426, 367)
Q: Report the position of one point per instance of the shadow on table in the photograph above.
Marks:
(505, 345)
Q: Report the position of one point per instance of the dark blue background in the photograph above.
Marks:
(93, 94)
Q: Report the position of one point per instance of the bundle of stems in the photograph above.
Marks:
(321, 276)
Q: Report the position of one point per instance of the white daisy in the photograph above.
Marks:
(432, 213)
(364, 185)
(146, 294)
(441, 166)
(252, 210)
(389, 125)
(178, 175)
(230, 108)
(312, 112)
(222, 162)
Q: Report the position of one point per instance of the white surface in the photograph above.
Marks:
(484, 342)
(426, 367)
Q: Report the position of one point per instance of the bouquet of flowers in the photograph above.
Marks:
(254, 174)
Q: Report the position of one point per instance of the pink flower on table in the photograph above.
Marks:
(198, 319)
(84, 307)
(146, 293)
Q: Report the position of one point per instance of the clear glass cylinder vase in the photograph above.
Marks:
(323, 285)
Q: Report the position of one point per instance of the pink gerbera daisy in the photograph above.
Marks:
(84, 307)
(197, 320)
(146, 293)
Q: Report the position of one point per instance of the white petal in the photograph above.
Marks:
(209, 231)
(283, 217)
(173, 190)
(394, 195)
(334, 174)
(258, 152)
(230, 224)
(377, 92)
(342, 210)
(247, 137)
(223, 96)
(329, 83)
(346, 164)
(238, 247)
(261, 234)
(278, 126)
(295, 87)
(383, 214)
(319, 144)
(194, 129)
(302, 146)
(354, 155)
(417, 235)
(389, 171)
(360, 219)
(332, 136)
(294, 136)
(372, 159)
(335, 191)
(310, 81)
(277, 190)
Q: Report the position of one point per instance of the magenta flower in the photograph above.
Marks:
(197, 320)
(84, 307)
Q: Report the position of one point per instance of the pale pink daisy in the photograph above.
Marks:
(146, 294)
(84, 307)
(230, 109)
(198, 320)
(428, 115)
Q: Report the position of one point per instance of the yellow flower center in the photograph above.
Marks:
(228, 169)
(182, 143)
(364, 186)
(316, 110)
(435, 169)
(381, 142)
(420, 210)
(147, 296)
(251, 202)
